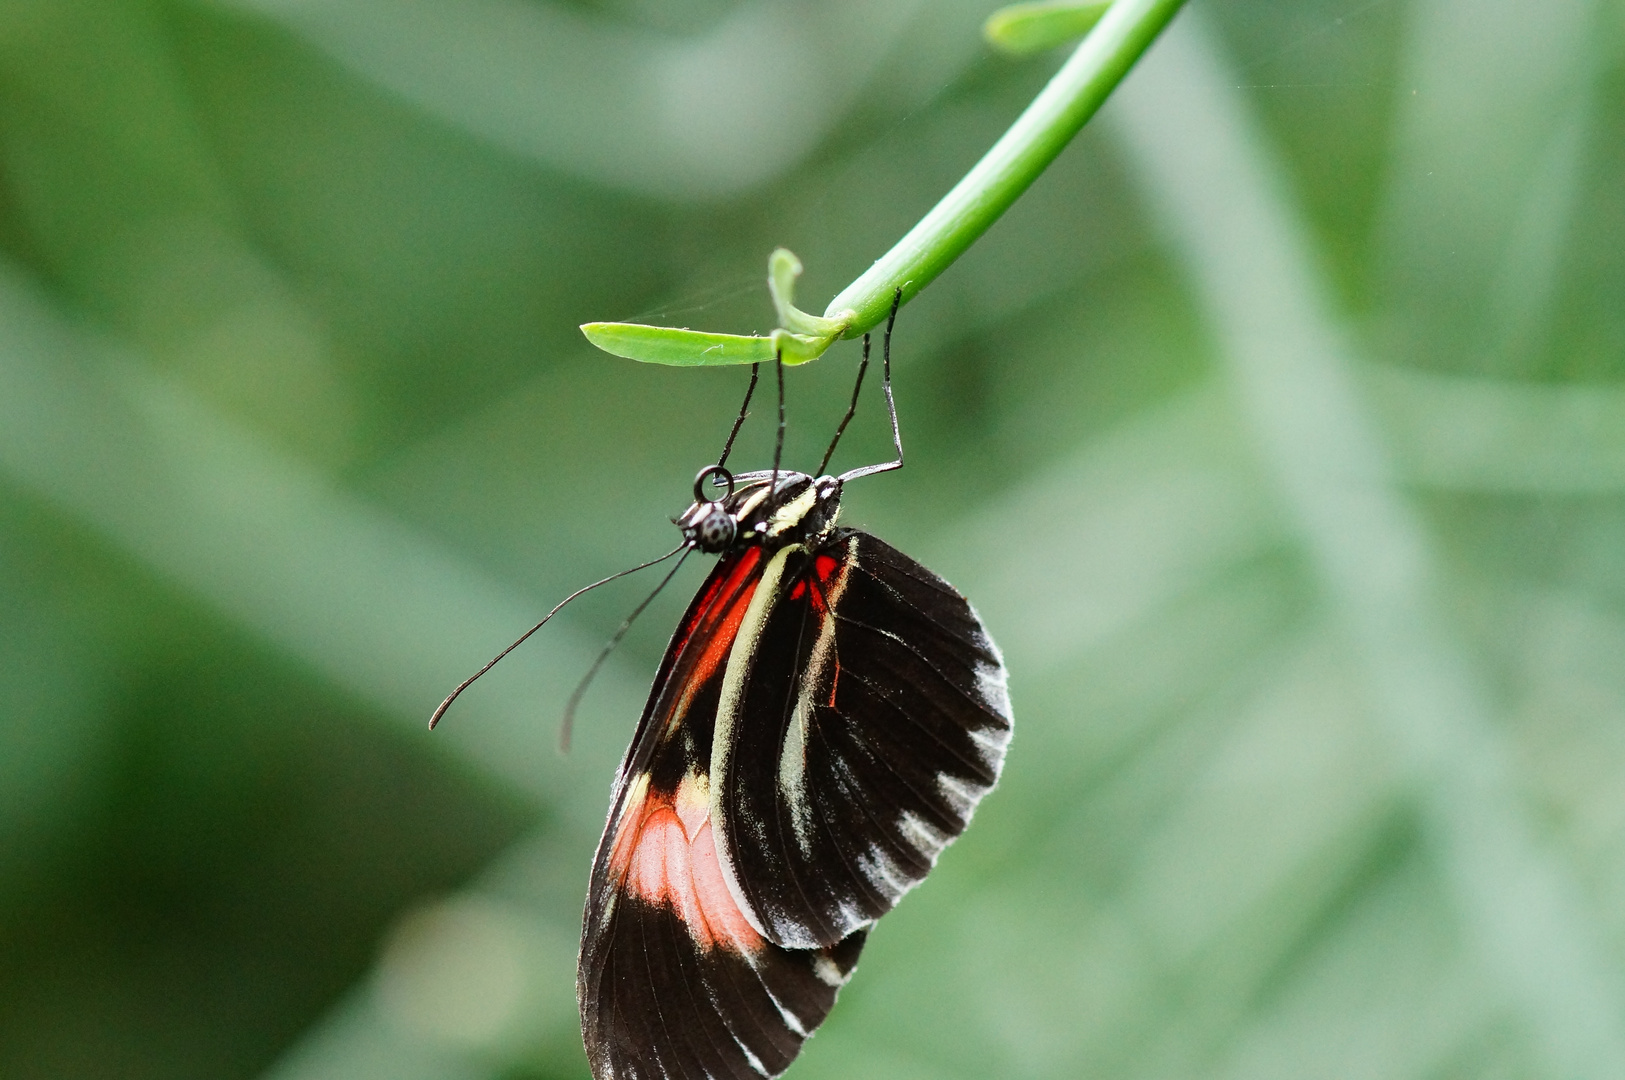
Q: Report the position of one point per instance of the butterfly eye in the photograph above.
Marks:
(714, 531)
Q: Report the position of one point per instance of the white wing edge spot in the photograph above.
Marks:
(993, 684)
(960, 794)
(927, 840)
(791, 1020)
(754, 1061)
(827, 972)
(992, 742)
(883, 874)
(751, 1059)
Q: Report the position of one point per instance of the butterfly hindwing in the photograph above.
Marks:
(863, 716)
(674, 980)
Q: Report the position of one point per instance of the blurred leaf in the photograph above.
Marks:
(1380, 572)
(277, 548)
(679, 118)
(1483, 179)
(1021, 29)
(1502, 435)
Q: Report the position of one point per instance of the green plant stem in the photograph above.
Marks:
(1009, 168)
(1041, 132)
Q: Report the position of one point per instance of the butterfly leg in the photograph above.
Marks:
(851, 409)
(891, 404)
(739, 421)
(778, 444)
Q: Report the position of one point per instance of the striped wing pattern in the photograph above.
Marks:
(873, 718)
(822, 724)
(673, 980)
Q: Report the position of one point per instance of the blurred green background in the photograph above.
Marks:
(1278, 433)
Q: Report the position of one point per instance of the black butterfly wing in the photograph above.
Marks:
(674, 980)
(863, 716)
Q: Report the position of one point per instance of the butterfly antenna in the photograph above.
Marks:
(891, 405)
(778, 444)
(739, 421)
(567, 726)
(466, 683)
(851, 409)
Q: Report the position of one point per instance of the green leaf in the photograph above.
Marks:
(1022, 29)
(677, 347)
(800, 348)
(802, 337)
(782, 270)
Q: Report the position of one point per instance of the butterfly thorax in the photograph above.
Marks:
(798, 509)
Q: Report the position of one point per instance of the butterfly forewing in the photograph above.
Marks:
(674, 978)
(865, 716)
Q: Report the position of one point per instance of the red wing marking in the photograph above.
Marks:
(716, 630)
(666, 853)
(730, 583)
(824, 566)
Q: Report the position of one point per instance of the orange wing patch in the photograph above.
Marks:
(665, 853)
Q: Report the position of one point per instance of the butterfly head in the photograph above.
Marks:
(752, 509)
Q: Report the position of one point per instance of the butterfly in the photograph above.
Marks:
(823, 723)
